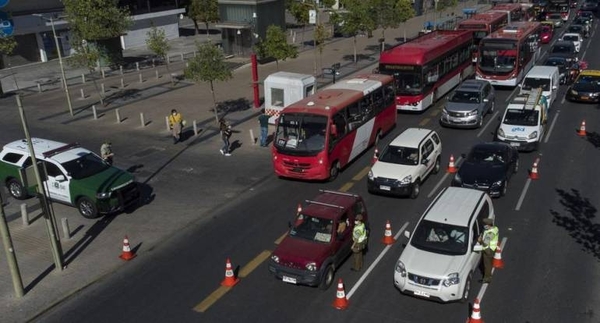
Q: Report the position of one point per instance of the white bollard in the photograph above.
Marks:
(103, 76)
(137, 66)
(156, 72)
(182, 57)
(83, 78)
(121, 69)
(39, 88)
(24, 214)
(82, 93)
(142, 119)
(118, 115)
(65, 227)
(122, 83)
(195, 128)
(141, 78)
(167, 122)
(102, 90)
(252, 137)
(95, 112)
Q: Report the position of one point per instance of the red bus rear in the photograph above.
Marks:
(428, 67)
(319, 135)
(516, 10)
(563, 8)
(483, 24)
(507, 55)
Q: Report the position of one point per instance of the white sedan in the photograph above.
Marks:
(575, 38)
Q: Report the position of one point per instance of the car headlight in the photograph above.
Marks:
(533, 135)
(500, 132)
(472, 113)
(406, 180)
(444, 111)
(400, 268)
(311, 266)
(451, 280)
(574, 92)
(275, 258)
(497, 183)
(103, 195)
(370, 175)
(593, 95)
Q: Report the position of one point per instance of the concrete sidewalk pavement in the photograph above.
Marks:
(195, 166)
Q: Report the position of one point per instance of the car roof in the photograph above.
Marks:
(590, 73)
(541, 71)
(472, 85)
(411, 137)
(571, 34)
(491, 145)
(455, 206)
(330, 204)
(48, 149)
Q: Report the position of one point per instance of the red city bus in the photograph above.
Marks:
(319, 135)
(428, 67)
(483, 24)
(561, 7)
(507, 55)
(517, 12)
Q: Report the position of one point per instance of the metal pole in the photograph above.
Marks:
(11, 258)
(50, 220)
(62, 68)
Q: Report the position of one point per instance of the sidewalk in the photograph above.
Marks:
(194, 166)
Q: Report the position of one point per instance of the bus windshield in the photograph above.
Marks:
(300, 133)
(498, 57)
(534, 83)
(521, 117)
(408, 78)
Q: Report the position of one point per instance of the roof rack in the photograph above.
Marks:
(533, 99)
(61, 149)
(324, 204)
(338, 193)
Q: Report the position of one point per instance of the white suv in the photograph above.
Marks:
(442, 254)
(405, 163)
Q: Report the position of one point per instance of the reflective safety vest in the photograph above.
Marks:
(359, 234)
(490, 238)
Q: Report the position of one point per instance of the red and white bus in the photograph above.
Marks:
(507, 55)
(516, 11)
(428, 67)
(319, 135)
(559, 6)
(483, 24)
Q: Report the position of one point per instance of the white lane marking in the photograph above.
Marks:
(488, 123)
(485, 286)
(552, 126)
(513, 93)
(377, 260)
(523, 193)
(443, 179)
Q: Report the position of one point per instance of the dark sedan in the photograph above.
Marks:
(586, 87)
(488, 167)
(564, 67)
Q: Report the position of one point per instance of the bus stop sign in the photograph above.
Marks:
(6, 24)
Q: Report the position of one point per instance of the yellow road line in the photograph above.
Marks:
(346, 187)
(246, 270)
(211, 299)
(361, 174)
(278, 241)
(434, 112)
(424, 122)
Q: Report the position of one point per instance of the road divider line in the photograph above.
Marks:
(434, 113)
(424, 122)
(346, 187)
(485, 286)
(211, 299)
(249, 267)
(374, 264)
(359, 176)
(523, 193)
(278, 241)
(443, 179)
(512, 94)
(551, 126)
(488, 123)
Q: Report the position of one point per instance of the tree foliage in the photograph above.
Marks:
(206, 11)
(359, 18)
(7, 46)
(391, 13)
(208, 66)
(275, 45)
(157, 42)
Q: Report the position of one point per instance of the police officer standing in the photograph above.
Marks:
(359, 238)
(489, 241)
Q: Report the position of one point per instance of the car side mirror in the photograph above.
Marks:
(407, 234)
(554, 87)
(61, 178)
(486, 100)
(477, 247)
(424, 161)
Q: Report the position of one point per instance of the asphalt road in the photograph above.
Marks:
(552, 255)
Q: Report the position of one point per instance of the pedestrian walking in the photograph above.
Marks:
(106, 152)
(359, 238)
(263, 120)
(225, 129)
(489, 241)
(176, 125)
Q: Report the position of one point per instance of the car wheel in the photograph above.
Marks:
(87, 208)
(504, 188)
(516, 166)
(467, 289)
(16, 190)
(327, 278)
(415, 190)
(334, 171)
(480, 123)
(437, 167)
(493, 108)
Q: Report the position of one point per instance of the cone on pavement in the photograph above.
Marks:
(498, 262)
(230, 279)
(476, 314)
(451, 167)
(127, 254)
(299, 209)
(582, 132)
(341, 302)
(534, 171)
(387, 236)
(375, 156)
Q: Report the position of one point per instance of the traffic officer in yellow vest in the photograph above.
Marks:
(489, 241)
(359, 238)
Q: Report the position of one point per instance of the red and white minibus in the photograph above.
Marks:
(483, 24)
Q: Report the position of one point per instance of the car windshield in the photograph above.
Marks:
(555, 62)
(312, 228)
(301, 133)
(576, 29)
(441, 238)
(483, 154)
(465, 97)
(571, 38)
(561, 49)
(400, 155)
(555, 17)
(534, 83)
(520, 117)
(85, 166)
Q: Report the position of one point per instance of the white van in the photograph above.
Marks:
(440, 259)
(545, 77)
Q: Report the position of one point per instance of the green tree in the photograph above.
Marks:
(406, 10)
(275, 45)
(206, 11)
(208, 66)
(156, 41)
(299, 10)
(359, 18)
(390, 13)
(7, 46)
(321, 35)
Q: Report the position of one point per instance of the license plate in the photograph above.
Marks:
(515, 144)
(384, 188)
(585, 97)
(290, 280)
(420, 293)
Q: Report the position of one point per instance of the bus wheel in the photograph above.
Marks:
(378, 137)
(334, 171)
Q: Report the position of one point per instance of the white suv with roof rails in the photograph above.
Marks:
(442, 254)
(405, 163)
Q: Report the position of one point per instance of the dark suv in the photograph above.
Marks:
(468, 104)
(564, 49)
(319, 240)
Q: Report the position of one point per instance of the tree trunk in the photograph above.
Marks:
(212, 91)
(196, 28)
(100, 95)
(382, 40)
(354, 44)
(277, 64)
(303, 32)
(169, 70)
(207, 30)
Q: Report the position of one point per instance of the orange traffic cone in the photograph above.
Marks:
(341, 302)
(582, 131)
(476, 314)
(451, 167)
(299, 209)
(498, 262)
(387, 236)
(230, 279)
(127, 254)
(375, 156)
(534, 171)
